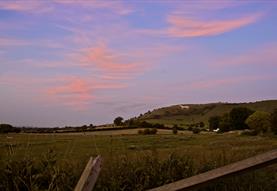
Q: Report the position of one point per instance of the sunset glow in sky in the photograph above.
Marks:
(75, 62)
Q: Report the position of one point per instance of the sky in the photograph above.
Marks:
(76, 62)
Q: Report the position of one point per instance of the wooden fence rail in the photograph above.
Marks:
(246, 165)
(89, 175)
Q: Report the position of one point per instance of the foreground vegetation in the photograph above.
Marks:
(131, 162)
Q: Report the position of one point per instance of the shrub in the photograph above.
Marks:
(259, 121)
(158, 126)
(153, 131)
(196, 130)
(201, 124)
(140, 132)
(145, 124)
(148, 131)
(175, 129)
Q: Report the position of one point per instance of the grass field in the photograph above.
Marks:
(213, 149)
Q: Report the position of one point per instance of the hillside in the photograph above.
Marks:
(183, 114)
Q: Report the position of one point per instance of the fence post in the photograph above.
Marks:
(89, 175)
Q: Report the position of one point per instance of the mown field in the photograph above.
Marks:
(134, 162)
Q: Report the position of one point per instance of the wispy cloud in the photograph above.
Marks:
(109, 62)
(186, 27)
(118, 6)
(78, 92)
(33, 6)
(204, 18)
(40, 6)
(75, 92)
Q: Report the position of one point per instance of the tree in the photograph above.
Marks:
(259, 121)
(238, 116)
(130, 123)
(224, 123)
(118, 121)
(6, 128)
(273, 120)
(214, 122)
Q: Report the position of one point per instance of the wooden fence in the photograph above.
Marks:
(89, 175)
(203, 179)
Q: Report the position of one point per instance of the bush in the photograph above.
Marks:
(148, 131)
(196, 130)
(145, 124)
(201, 124)
(259, 121)
(175, 129)
(153, 131)
(158, 126)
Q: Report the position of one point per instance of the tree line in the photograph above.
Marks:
(241, 118)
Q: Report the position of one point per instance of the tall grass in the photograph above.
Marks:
(131, 162)
(126, 172)
(47, 173)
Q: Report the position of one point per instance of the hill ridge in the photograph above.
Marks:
(182, 114)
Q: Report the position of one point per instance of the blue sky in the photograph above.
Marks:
(74, 62)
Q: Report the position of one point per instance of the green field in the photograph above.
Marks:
(207, 150)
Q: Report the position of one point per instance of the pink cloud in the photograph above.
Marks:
(75, 92)
(110, 63)
(35, 6)
(41, 6)
(186, 27)
(78, 92)
(118, 6)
